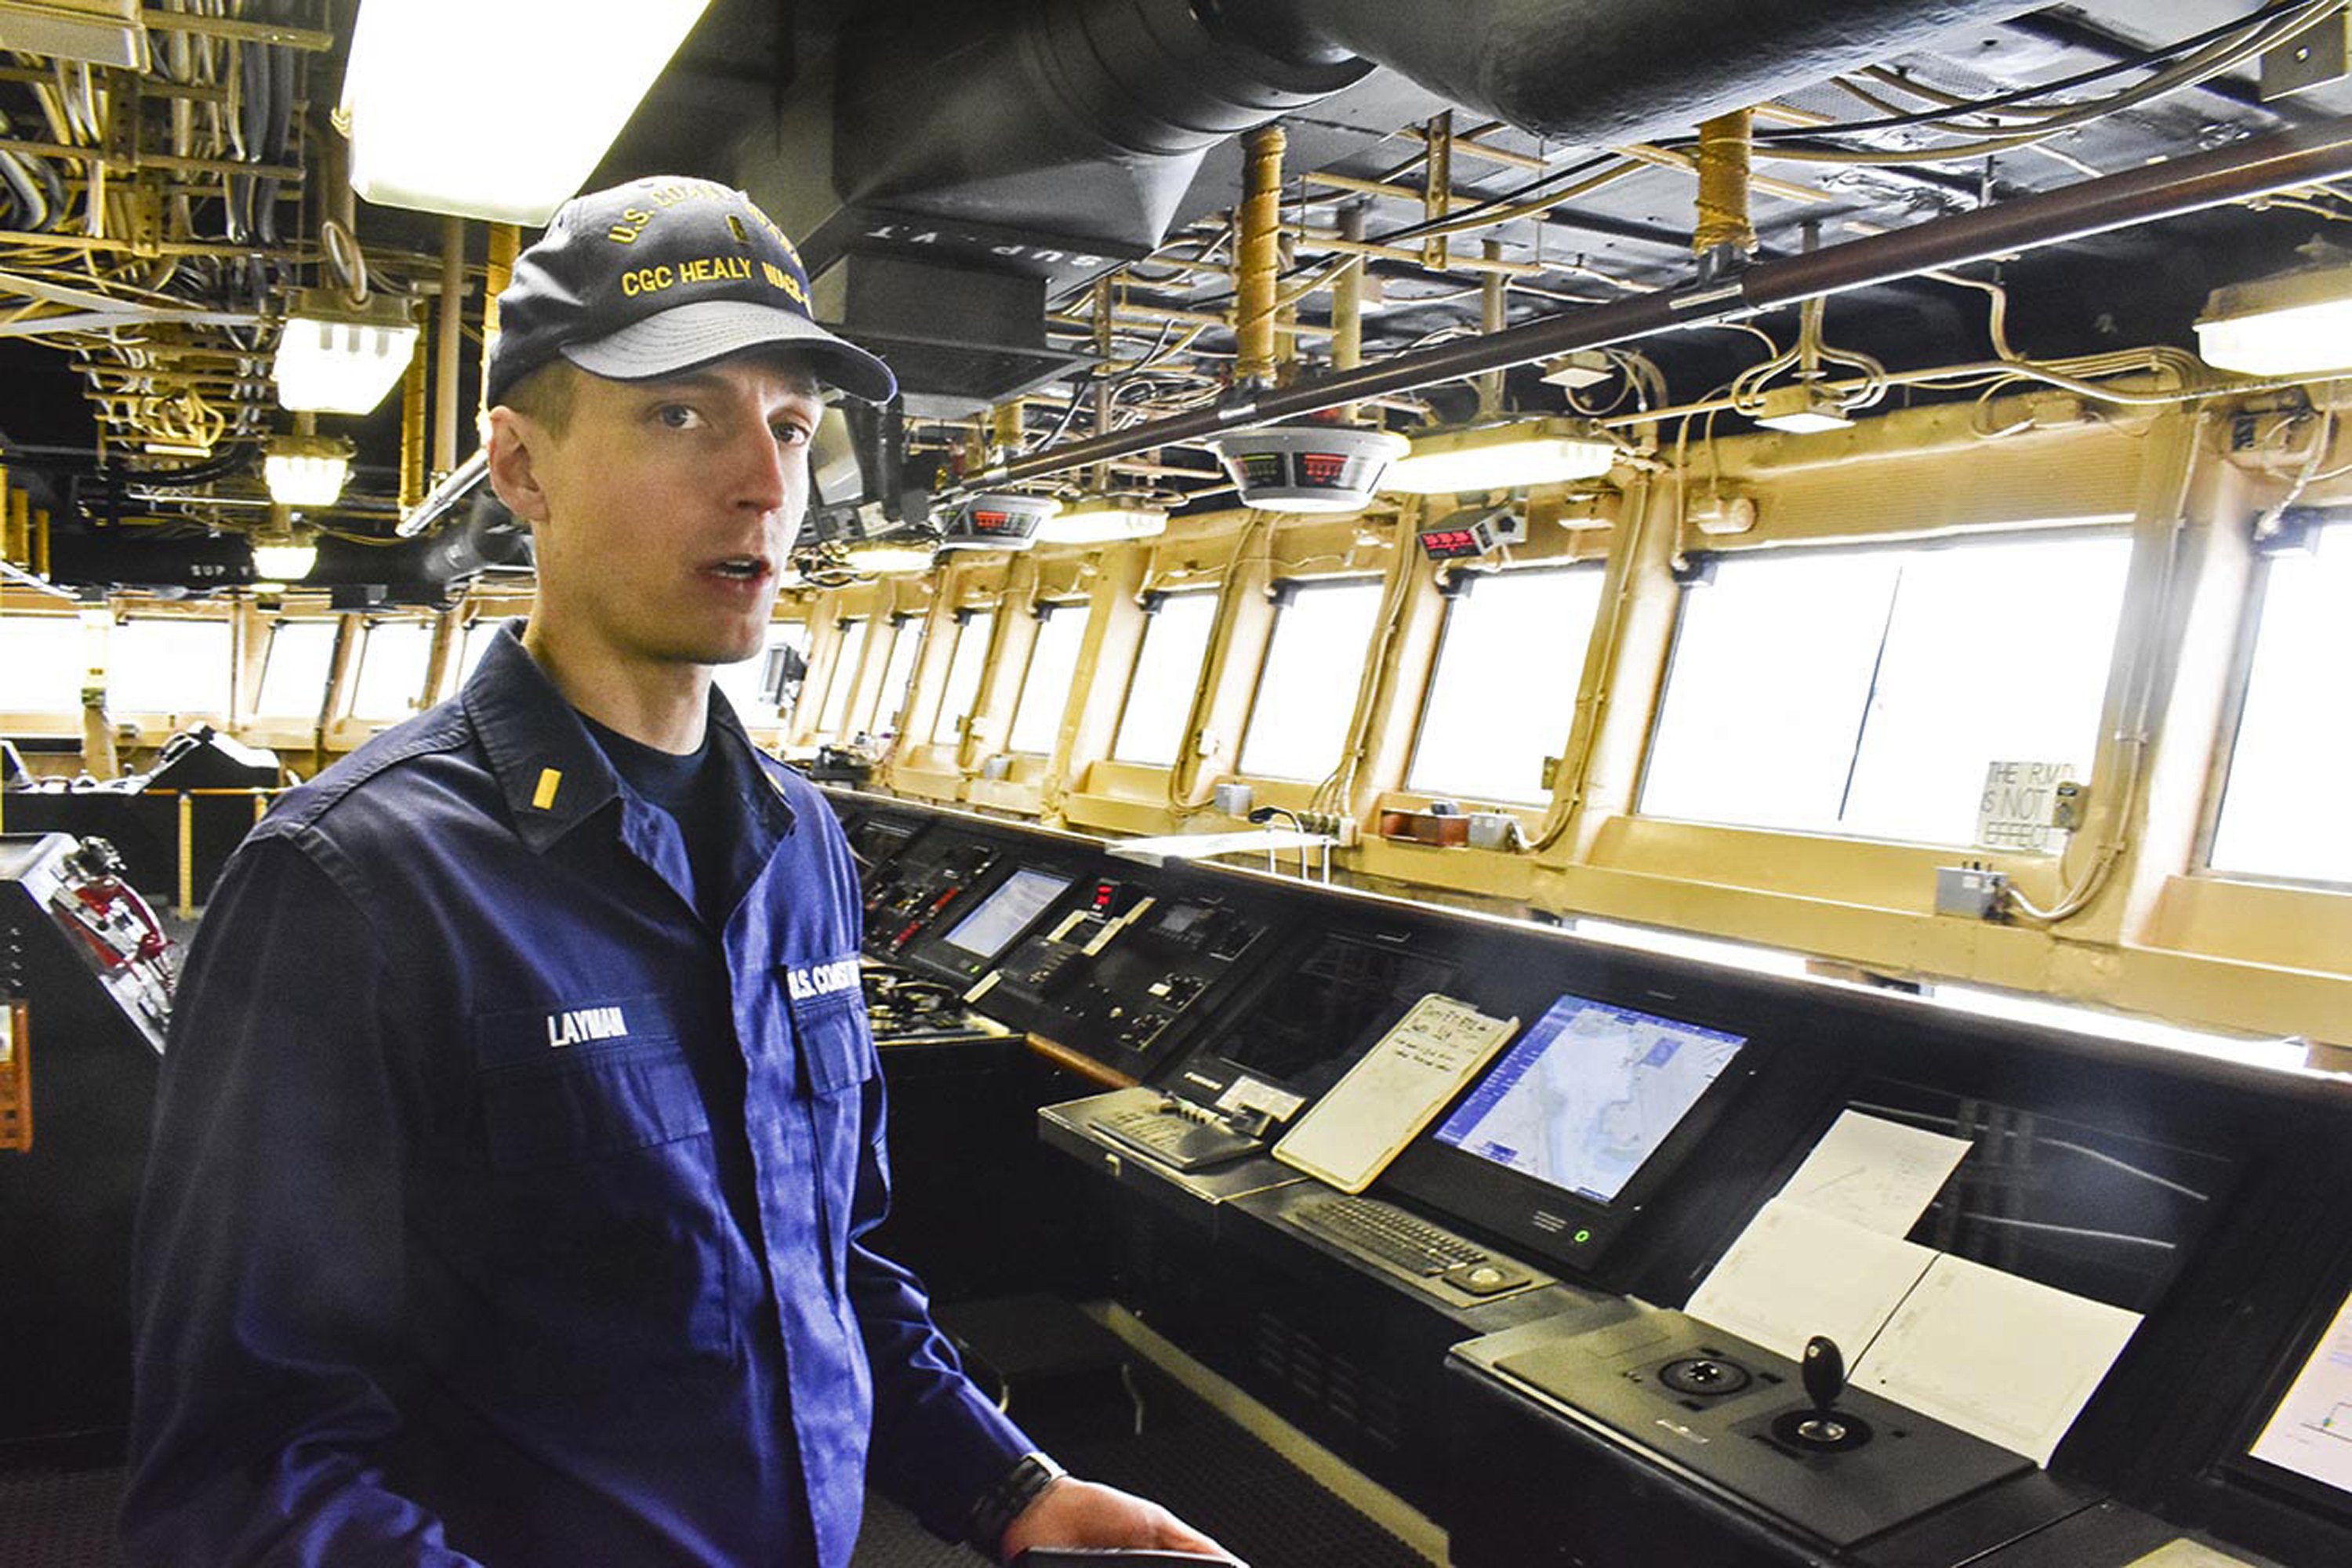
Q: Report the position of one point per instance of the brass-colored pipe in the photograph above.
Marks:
(1724, 145)
(505, 240)
(412, 430)
(18, 538)
(445, 364)
(187, 909)
(1688, 162)
(41, 543)
(1258, 254)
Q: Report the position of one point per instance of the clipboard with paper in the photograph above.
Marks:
(1368, 1117)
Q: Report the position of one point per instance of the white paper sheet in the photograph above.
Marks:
(1993, 1354)
(1796, 1272)
(1877, 1174)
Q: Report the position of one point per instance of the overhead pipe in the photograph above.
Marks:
(1724, 236)
(2151, 193)
(1258, 253)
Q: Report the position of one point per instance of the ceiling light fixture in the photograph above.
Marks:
(334, 358)
(1104, 519)
(1547, 451)
(306, 470)
(283, 554)
(885, 558)
(1306, 467)
(2296, 324)
(544, 84)
(1806, 409)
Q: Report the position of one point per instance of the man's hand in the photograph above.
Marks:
(1072, 1513)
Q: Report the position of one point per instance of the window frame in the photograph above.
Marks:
(964, 619)
(1285, 593)
(1598, 567)
(1135, 668)
(1054, 609)
(2228, 724)
(840, 729)
(1700, 565)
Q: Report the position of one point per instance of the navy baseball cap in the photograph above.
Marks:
(657, 276)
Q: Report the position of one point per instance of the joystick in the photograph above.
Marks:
(1823, 1428)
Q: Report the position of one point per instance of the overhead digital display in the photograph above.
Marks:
(1587, 1095)
(1006, 913)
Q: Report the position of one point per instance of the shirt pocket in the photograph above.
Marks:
(606, 1226)
(835, 1064)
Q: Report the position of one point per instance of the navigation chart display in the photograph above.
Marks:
(2310, 1433)
(1587, 1095)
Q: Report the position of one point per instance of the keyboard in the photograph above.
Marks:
(1390, 1234)
(1176, 1134)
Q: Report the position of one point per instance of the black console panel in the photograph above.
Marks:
(1478, 1295)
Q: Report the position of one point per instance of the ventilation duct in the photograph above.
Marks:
(947, 168)
(1603, 72)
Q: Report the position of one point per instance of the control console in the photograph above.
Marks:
(1124, 975)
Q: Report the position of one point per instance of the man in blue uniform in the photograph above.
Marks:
(521, 1127)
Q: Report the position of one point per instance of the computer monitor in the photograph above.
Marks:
(1571, 1129)
(2308, 1433)
(990, 929)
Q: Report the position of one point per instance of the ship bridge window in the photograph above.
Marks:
(1863, 691)
(45, 659)
(740, 681)
(2283, 812)
(1167, 669)
(1046, 685)
(169, 667)
(897, 675)
(1306, 688)
(964, 669)
(392, 669)
(294, 672)
(843, 680)
(1504, 692)
(470, 651)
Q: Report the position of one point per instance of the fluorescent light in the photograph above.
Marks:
(336, 359)
(1806, 410)
(888, 559)
(307, 478)
(1501, 458)
(1110, 520)
(284, 563)
(2297, 323)
(497, 109)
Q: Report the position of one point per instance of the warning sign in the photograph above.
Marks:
(2014, 813)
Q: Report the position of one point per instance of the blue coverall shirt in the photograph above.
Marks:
(502, 1210)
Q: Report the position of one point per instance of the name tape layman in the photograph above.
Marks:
(521, 1129)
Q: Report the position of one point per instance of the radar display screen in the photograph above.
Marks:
(1006, 913)
(1587, 1095)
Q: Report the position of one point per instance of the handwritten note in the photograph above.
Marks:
(1401, 1083)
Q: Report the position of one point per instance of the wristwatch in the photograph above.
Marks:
(1000, 1504)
